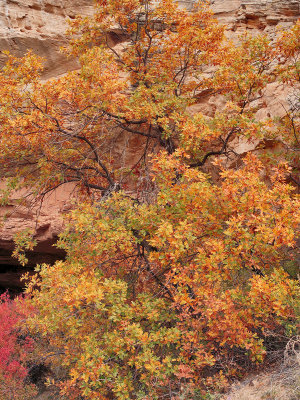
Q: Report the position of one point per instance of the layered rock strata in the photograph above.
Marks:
(40, 24)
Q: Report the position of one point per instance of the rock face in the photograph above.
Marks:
(40, 25)
(259, 14)
(45, 220)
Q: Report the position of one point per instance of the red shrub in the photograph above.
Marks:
(15, 349)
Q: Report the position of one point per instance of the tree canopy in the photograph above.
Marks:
(176, 266)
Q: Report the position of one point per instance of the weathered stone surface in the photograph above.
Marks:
(44, 219)
(40, 25)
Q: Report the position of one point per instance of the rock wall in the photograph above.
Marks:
(256, 14)
(40, 25)
(45, 220)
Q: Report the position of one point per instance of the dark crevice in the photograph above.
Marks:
(11, 271)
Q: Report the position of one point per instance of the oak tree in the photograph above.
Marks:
(172, 280)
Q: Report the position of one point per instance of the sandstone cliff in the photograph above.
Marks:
(40, 24)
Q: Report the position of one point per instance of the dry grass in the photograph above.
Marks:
(283, 383)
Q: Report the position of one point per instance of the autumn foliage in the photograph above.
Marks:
(176, 261)
(15, 350)
(172, 291)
